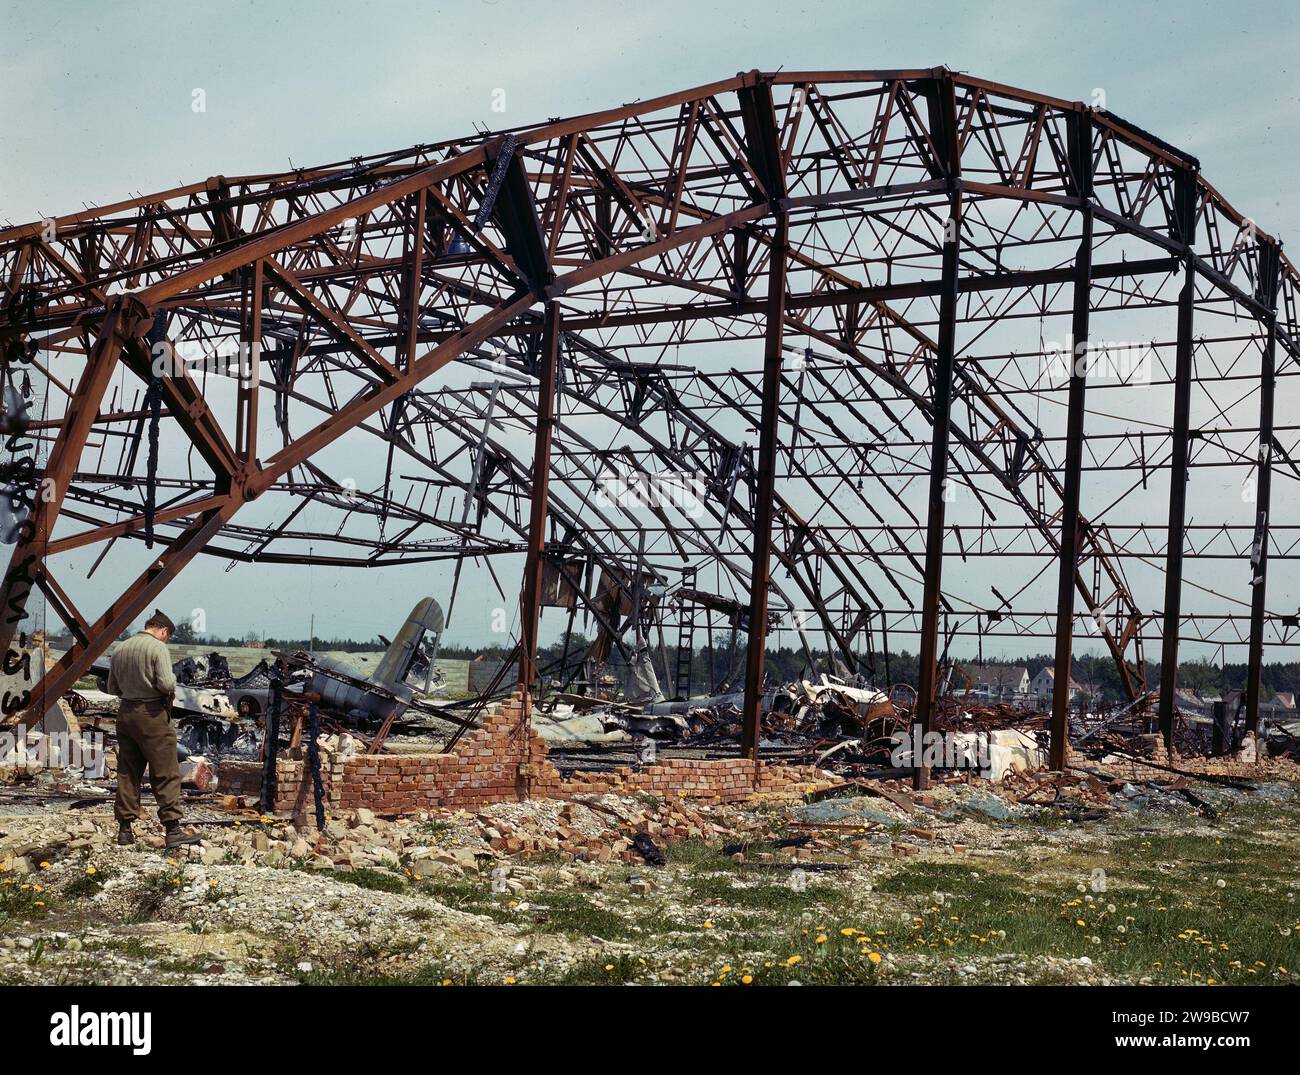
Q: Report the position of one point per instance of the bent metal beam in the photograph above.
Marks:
(642, 230)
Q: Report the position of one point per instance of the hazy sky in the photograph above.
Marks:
(97, 106)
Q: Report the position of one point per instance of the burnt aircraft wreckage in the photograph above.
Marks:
(217, 713)
(782, 357)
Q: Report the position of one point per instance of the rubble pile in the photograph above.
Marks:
(601, 828)
(802, 712)
(649, 885)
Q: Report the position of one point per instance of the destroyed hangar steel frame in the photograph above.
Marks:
(862, 222)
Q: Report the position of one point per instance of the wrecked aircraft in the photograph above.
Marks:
(220, 714)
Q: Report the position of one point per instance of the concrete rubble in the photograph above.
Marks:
(266, 899)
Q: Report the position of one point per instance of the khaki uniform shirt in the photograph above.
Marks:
(141, 669)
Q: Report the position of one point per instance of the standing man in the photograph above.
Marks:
(140, 673)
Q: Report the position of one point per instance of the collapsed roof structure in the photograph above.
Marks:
(813, 328)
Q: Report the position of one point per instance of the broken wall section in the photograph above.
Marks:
(504, 761)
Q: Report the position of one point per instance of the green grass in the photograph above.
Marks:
(698, 855)
(836, 960)
(614, 970)
(22, 901)
(435, 829)
(376, 880)
(358, 972)
(1162, 916)
(472, 897)
(763, 890)
(576, 913)
(154, 893)
(88, 884)
(1177, 926)
(366, 963)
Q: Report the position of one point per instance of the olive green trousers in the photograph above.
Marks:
(146, 739)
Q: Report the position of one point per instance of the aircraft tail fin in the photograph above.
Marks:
(414, 644)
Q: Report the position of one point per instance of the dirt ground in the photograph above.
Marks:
(972, 887)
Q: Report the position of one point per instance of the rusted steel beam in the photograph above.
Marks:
(941, 417)
(246, 413)
(62, 604)
(336, 325)
(1268, 279)
(187, 406)
(1080, 150)
(124, 320)
(133, 525)
(625, 260)
(410, 328)
(123, 612)
(1178, 478)
(1071, 533)
(944, 124)
(764, 496)
(289, 234)
(371, 403)
(762, 144)
(530, 605)
(836, 297)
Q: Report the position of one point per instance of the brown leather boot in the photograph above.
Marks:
(125, 837)
(177, 838)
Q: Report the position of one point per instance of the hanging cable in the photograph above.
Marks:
(153, 404)
(271, 743)
(313, 761)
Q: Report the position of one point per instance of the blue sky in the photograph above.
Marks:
(96, 99)
(97, 95)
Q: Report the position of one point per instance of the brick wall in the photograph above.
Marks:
(501, 761)
(245, 778)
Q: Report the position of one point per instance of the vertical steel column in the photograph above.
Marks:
(414, 281)
(1070, 535)
(942, 109)
(530, 598)
(765, 493)
(1080, 139)
(941, 406)
(1177, 506)
(1266, 288)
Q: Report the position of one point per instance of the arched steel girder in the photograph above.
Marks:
(911, 139)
